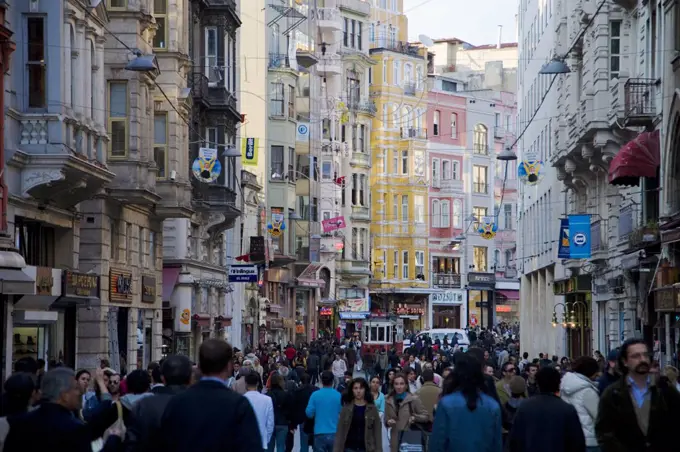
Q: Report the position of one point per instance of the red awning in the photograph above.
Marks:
(637, 158)
(509, 294)
(170, 276)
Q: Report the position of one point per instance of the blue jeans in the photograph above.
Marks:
(304, 440)
(324, 443)
(278, 441)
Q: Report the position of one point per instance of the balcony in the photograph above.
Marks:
(52, 172)
(329, 64)
(175, 199)
(446, 281)
(360, 213)
(354, 267)
(640, 102)
(397, 46)
(409, 89)
(215, 7)
(480, 188)
(413, 133)
(451, 185)
(360, 159)
(329, 19)
(366, 107)
(212, 95)
(279, 61)
(218, 202)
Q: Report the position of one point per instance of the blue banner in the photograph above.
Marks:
(563, 247)
(579, 234)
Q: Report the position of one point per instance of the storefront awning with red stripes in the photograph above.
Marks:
(638, 158)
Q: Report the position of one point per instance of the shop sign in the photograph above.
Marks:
(243, 273)
(43, 281)
(257, 248)
(120, 286)
(299, 329)
(503, 308)
(664, 300)
(148, 289)
(484, 279)
(410, 310)
(80, 285)
(354, 305)
(288, 323)
(325, 312)
(276, 324)
(448, 297)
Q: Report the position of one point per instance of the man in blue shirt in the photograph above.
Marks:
(324, 407)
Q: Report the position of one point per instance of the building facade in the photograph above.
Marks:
(399, 183)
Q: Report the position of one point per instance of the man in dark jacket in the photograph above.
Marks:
(299, 418)
(611, 375)
(546, 422)
(208, 416)
(145, 419)
(637, 413)
(53, 426)
(313, 365)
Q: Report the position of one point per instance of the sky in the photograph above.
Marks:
(474, 21)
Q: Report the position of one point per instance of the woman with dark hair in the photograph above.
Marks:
(387, 385)
(359, 426)
(83, 377)
(21, 392)
(402, 410)
(467, 419)
(283, 411)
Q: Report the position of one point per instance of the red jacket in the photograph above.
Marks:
(290, 353)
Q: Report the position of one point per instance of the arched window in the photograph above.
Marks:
(508, 258)
(446, 214)
(408, 74)
(457, 213)
(418, 76)
(497, 258)
(481, 140)
(325, 276)
(436, 213)
(419, 118)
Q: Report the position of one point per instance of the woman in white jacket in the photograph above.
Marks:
(579, 389)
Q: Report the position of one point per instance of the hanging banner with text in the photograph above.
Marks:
(563, 247)
(243, 273)
(579, 233)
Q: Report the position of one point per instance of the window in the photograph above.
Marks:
(160, 144)
(396, 79)
(359, 35)
(326, 129)
(404, 208)
(419, 209)
(384, 264)
(35, 62)
(395, 207)
(454, 125)
(457, 214)
(128, 243)
(371, 33)
(362, 138)
(435, 122)
(292, 175)
(113, 240)
(355, 189)
(152, 249)
(496, 259)
(117, 3)
(614, 48)
(479, 258)
(404, 265)
(420, 264)
(508, 123)
(480, 145)
(386, 116)
(446, 169)
(291, 102)
(435, 172)
(277, 162)
(352, 34)
(210, 137)
(355, 243)
(395, 265)
(36, 242)
(326, 170)
(118, 119)
(479, 179)
(395, 162)
(436, 213)
(479, 213)
(508, 216)
(362, 189)
(277, 99)
(141, 232)
(454, 172)
(384, 162)
(345, 32)
(363, 242)
(446, 214)
(211, 69)
(160, 11)
(384, 73)
(404, 162)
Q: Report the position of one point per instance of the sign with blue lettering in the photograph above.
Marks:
(243, 273)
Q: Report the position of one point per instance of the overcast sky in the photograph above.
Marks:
(473, 21)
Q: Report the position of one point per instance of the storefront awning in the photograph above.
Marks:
(308, 277)
(170, 276)
(509, 294)
(637, 158)
(15, 282)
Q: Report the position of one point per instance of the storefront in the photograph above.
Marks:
(481, 304)
(325, 321)
(576, 314)
(307, 287)
(507, 305)
(79, 291)
(448, 309)
(413, 316)
(352, 312)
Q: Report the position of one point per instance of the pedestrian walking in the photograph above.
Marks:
(262, 406)
(402, 411)
(637, 413)
(359, 426)
(324, 408)
(579, 389)
(283, 410)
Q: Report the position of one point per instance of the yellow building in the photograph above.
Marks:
(399, 179)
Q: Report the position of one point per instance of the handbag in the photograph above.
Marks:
(98, 444)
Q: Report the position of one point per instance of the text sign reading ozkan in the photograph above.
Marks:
(243, 273)
(447, 297)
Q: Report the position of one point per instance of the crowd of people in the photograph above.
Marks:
(432, 397)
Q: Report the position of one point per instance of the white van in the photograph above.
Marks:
(441, 333)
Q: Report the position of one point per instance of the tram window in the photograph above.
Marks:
(381, 334)
(374, 333)
(366, 336)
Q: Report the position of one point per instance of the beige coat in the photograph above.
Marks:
(372, 433)
(429, 396)
(411, 406)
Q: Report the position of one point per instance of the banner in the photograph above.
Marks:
(333, 224)
(563, 247)
(249, 151)
(579, 233)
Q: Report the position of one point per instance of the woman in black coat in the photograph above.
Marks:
(283, 413)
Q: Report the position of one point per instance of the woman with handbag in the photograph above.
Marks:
(359, 426)
(403, 412)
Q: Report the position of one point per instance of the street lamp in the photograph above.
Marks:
(555, 66)
(506, 155)
(555, 320)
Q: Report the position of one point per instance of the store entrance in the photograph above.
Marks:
(30, 341)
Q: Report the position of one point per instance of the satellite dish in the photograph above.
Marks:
(426, 40)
